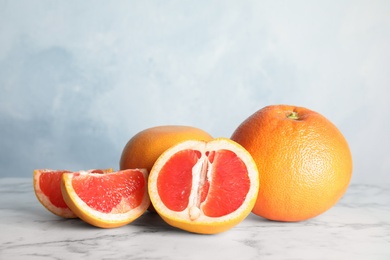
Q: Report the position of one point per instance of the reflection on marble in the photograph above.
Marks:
(358, 227)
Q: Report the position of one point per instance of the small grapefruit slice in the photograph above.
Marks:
(204, 187)
(47, 188)
(107, 200)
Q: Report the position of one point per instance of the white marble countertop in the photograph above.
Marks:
(358, 227)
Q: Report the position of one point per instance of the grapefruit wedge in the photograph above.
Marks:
(204, 187)
(107, 200)
(47, 188)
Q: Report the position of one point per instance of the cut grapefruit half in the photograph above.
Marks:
(107, 200)
(47, 188)
(204, 187)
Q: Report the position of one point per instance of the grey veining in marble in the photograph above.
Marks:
(358, 227)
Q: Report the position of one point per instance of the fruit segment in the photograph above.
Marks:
(107, 200)
(49, 182)
(175, 180)
(229, 186)
(119, 195)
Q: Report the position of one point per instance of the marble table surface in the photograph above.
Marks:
(358, 227)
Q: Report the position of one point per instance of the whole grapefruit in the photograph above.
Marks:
(144, 148)
(304, 161)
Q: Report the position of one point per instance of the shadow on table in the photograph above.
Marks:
(151, 222)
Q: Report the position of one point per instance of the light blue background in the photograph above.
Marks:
(79, 78)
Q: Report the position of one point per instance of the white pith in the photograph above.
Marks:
(194, 212)
(203, 166)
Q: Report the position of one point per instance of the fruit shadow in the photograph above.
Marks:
(46, 220)
(151, 222)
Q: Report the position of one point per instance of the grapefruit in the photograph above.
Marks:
(106, 200)
(47, 188)
(143, 149)
(304, 161)
(204, 187)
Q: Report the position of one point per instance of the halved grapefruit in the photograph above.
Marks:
(107, 200)
(47, 188)
(204, 187)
